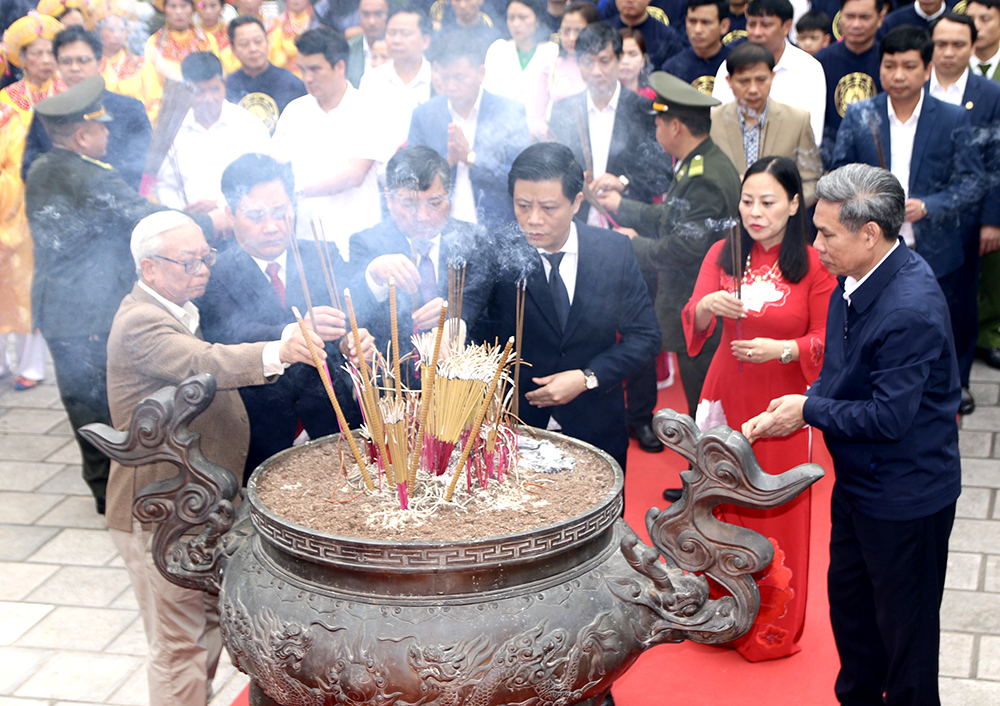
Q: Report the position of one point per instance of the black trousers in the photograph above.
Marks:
(641, 385)
(81, 364)
(885, 582)
(694, 370)
(961, 291)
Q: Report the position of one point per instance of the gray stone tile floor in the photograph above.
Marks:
(70, 632)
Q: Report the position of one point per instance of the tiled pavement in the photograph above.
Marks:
(70, 632)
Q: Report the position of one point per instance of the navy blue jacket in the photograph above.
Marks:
(887, 397)
(907, 15)
(610, 299)
(281, 84)
(662, 41)
(128, 139)
(946, 171)
(689, 67)
(501, 135)
(981, 101)
(850, 78)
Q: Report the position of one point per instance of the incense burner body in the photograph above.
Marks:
(545, 617)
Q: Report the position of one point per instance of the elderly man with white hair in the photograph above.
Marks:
(156, 341)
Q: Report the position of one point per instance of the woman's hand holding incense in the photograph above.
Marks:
(295, 349)
(557, 389)
(719, 303)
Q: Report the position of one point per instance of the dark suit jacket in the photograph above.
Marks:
(946, 172)
(240, 306)
(981, 101)
(501, 134)
(81, 216)
(610, 299)
(128, 139)
(888, 394)
(634, 152)
(459, 241)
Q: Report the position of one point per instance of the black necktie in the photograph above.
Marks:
(984, 69)
(560, 296)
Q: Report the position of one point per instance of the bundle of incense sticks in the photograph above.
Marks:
(456, 292)
(427, 380)
(473, 437)
(369, 390)
(397, 439)
(519, 293)
(736, 251)
(396, 376)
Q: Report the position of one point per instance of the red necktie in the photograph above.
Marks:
(279, 287)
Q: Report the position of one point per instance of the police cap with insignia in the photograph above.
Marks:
(77, 104)
(677, 97)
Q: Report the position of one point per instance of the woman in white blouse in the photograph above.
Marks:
(514, 66)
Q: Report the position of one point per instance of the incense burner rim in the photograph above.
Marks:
(418, 556)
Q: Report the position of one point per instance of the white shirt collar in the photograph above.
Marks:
(913, 118)
(974, 62)
(851, 284)
(920, 13)
(225, 118)
(474, 113)
(571, 246)
(612, 104)
(281, 260)
(958, 87)
(423, 75)
(188, 314)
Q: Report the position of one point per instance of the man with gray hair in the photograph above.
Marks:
(156, 341)
(886, 401)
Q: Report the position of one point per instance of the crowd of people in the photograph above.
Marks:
(659, 177)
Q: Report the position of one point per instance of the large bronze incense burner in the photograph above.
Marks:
(547, 617)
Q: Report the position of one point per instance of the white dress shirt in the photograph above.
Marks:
(193, 168)
(952, 94)
(394, 102)
(567, 270)
(320, 144)
(974, 63)
(600, 124)
(463, 198)
(190, 318)
(799, 80)
(901, 137)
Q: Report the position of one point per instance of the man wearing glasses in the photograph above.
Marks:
(156, 341)
(250, 297)
(81, 213)
(78, 55)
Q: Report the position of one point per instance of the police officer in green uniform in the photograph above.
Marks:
(81, 215)
(673, 237)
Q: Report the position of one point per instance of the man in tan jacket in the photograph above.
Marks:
(156, 341)
(755, 126)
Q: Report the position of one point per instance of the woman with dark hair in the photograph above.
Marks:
(772, 345)
(513, 66)
(633, 69)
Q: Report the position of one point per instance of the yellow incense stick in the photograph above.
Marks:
(368, 387)
(395, 339)
(425, 399)
(328, 386)
(474, 432)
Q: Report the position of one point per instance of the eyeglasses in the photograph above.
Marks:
(70, 60)
(192, 267)
(279, 213)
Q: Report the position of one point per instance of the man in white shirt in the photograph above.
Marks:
(405, 82)
(155, 341)
(799, 79)
(986, 57)
(327, 138)
(213, 134)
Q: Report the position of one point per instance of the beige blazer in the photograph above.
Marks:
(787, 133)
(148, 348)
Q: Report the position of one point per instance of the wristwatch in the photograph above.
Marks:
(624, 181)
(590, 378)
(471, 159)
(786, 353)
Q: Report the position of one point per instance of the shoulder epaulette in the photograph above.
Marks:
(99, 163)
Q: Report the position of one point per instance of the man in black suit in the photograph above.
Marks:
(250, 298)
(584, 290)
(78, 53)
(611, 131)
(416, 244)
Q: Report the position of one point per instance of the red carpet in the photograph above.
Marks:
(697, 674)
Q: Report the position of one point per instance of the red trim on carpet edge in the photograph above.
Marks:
(698, 674)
